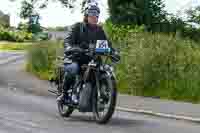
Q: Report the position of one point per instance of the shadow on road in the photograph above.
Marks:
(114, 122)
(123, 122)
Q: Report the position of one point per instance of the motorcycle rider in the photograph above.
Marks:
(80, 35)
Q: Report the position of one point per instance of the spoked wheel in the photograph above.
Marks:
(104, 100)
(64, 110)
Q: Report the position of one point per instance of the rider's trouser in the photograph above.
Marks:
(71, 70)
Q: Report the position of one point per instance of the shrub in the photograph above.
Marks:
(157, 65)
(191, 33)
(41, 59)
(15, 36)
(118, 33)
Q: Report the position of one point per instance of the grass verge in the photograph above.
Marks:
(14, 46)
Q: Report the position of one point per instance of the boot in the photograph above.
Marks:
(60, 98)
(68, 78)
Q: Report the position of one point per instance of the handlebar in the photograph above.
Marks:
(114, 54)
(80, 50)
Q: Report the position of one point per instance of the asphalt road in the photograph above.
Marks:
(8, 54)
(22, 112)
(9, 57)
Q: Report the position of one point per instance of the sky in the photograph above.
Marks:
(57, 15)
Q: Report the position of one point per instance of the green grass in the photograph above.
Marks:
(41, 59)
(43, 75)
(160, 66)
(156, 65)
(14, 46)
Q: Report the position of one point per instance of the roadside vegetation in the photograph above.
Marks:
(42, 57)
(160, 53)
(4, 46)
(7, 34)
(153, 65)
(157, 65)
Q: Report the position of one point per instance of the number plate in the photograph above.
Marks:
(102, 46)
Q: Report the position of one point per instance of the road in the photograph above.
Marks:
(6, 57)
(22, 112)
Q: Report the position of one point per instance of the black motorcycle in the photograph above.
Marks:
(94, 89)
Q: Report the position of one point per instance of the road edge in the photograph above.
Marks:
(148, 112)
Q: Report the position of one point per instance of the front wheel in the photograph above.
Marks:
(104, 100)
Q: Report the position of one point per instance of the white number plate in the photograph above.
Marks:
(103, 44)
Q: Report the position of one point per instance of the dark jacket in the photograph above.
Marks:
(81, 34)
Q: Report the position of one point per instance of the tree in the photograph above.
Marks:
(67, 3)
(31, 7)
(157, 12)
(27, 9)
(136, 11)
(29, 12)
(194, 15)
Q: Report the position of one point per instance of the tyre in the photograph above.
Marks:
(64, 110)
(102, 97)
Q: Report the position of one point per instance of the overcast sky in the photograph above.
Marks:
(56, 15)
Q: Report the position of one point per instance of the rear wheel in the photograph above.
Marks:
(64, 110)
(104, 100)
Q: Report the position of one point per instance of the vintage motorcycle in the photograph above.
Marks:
(94, 89)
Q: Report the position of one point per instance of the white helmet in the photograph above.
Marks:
(92, 9)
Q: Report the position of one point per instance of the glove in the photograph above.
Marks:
(115, 56)
(72, 50)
